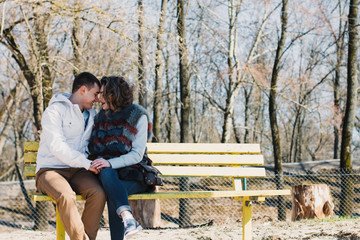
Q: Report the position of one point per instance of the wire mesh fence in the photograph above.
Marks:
(18, 213)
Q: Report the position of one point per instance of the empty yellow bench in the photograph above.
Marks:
(234, 161)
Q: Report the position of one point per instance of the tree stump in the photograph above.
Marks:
(311, 201)
(147, 212)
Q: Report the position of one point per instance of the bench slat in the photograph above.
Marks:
(191, 159)
(31, 146)
(40, 197)
(208, 148)
(208, 194)
(220, 148)
(177, 171)
(189, 194)
(197, 159)
(29, 171)
(30, 157)
(211, 171)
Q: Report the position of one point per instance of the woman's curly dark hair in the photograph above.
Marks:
(117, 93)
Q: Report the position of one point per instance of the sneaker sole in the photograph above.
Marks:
(138, 229)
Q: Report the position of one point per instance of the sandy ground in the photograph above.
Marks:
(264, 230)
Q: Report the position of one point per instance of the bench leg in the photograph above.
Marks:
(60, 230)
(246, 222)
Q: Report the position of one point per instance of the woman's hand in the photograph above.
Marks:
(100, 163)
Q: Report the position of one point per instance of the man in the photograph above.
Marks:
(62, 166)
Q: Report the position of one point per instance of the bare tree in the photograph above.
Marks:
(159, 71)
(41, 20)
(75, 41)
(38, 76)
(184, 209)
(347, 185)
(236, 74)
(35, 88)
(7, 111)
(233, 65)
(340, 49)
(141, 57)
(338, 35)
(171, 112)
(272, 110)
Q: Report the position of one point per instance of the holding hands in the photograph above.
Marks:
(99, 164)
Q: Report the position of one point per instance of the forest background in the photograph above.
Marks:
(207, 71)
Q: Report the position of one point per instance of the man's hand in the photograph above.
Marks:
(94, 170)
(100, 163)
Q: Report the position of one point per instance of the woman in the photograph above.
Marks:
(118, 141)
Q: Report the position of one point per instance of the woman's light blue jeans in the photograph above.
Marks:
(117, 192)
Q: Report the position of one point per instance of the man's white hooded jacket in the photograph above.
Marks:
(64, 138)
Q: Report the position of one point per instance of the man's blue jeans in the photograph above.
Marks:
(117, 192)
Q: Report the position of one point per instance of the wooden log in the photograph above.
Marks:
(147, 212)
(311, 201)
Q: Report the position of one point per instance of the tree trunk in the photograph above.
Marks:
(46, 82)
(141, 57)
(35, 86)
(259, 116)
(294, 135)
(272, 111)
(184, 209)
(299, 140)
(77, 68)
(339, 57)
(171, 113)
(233, 9)
(9, 118)
(228, 114)
(184, 75)
(247, 95)
(159, 69)
(311, 201)
(337, 106)
(44, 85)
(5, 111)
(236, 131)
(347, 185)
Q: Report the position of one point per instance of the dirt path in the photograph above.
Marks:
(262, 230)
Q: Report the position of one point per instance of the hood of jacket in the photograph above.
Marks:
(61, 97)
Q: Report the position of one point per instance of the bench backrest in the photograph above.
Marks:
(189, 159)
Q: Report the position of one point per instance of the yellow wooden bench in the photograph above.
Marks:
(191, 160)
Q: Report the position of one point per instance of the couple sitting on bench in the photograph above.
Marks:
(116, 138)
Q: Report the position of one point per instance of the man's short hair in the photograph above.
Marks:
(84, 79)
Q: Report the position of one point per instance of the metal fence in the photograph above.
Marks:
(17, 213)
